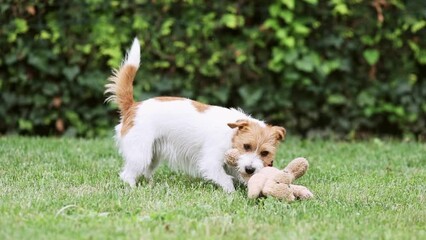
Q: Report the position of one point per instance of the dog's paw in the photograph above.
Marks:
(128, 179)
(228, 188)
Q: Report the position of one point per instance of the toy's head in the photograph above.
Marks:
(257, 143)
(272, 182)
(277, 176)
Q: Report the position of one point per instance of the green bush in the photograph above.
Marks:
(316, 67)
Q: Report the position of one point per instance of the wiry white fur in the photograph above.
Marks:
(175, 132)
(249, 160)
(134, 55)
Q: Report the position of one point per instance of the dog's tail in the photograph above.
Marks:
(120, 86)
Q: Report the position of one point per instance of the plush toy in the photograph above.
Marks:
(270, 181)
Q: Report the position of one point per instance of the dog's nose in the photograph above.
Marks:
(250, 169)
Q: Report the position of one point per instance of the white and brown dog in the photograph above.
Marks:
(191, 136)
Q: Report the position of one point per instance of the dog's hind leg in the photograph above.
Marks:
(138, 154)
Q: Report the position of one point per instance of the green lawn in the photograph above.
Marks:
(69, 189)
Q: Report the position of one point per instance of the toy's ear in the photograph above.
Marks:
(280, 132)
(297, 167)
(241, 124)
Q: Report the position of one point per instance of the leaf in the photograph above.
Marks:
(417, 26)
(274, 10)
(305, 64)
(365, 99)
(161, 64)
(289, 3)
(289, 42)
(45, 34)
(166, 27)
(312, 2)
(301, 29)
(250, 95)
(71, 72)
(328, 66)
(21, 25)
(241, 58)
(222, 94)
(336, 99)
(371, 56)
(271, 24)
(232, 21)
(287, 16)
(291, 56)
(341, 9)
(25, 124)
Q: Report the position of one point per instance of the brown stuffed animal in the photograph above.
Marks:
(270, 181)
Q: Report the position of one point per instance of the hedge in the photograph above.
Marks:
(318, 68)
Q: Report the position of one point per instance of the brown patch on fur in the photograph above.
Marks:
(259, 139)
(168, 99)
(121, 87)
(201, 107)
(127, 119)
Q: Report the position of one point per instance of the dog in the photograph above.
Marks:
(190, 136)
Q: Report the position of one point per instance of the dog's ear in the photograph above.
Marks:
(241, 124)
(279, 132)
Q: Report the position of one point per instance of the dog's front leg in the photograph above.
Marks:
(211, 167)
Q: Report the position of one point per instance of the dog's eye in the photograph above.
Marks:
(264, 153)
(271, 164)
(247, 147)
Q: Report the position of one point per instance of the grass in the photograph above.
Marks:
(69, 189)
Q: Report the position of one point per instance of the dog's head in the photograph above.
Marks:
(257, 144)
